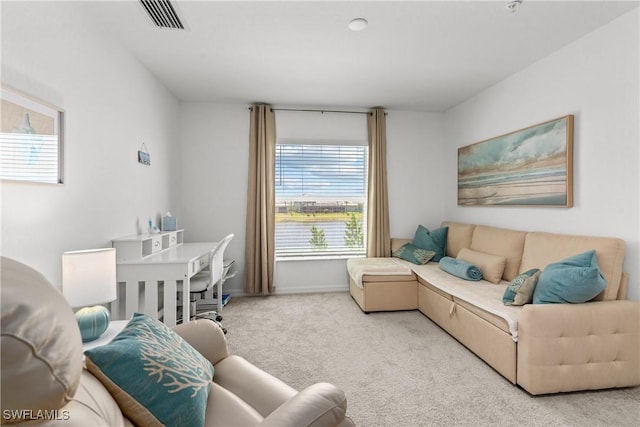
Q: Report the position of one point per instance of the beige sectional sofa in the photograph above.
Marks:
(544, 348)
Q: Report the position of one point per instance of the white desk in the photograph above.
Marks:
(176, 263)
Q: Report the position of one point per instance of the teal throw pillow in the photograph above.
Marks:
(414, 254)
(573, 280)
(156, 377)
(435, 240)
(520, 290)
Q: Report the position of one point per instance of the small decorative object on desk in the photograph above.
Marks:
(153, 229)
(169, 223)
(92, 321)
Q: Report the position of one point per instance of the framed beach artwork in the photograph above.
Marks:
(528, 167)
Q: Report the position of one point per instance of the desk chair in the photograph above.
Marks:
(206, 279)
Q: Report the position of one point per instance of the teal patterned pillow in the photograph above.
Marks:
(520, 290)
(435, 240)
(414, 254)
(156, 377)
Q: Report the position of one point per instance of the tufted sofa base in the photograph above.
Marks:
(579, 346)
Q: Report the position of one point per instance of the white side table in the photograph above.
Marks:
(114, 328)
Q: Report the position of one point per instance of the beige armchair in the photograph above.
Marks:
(43, 375)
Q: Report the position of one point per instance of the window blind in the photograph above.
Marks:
(31, 139)
(320, 199)
(29, 157)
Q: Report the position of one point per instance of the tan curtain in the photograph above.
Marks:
(260, 232)
(378, 234)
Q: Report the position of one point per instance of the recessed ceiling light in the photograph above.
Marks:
(358, 24)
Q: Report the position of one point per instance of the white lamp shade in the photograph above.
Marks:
(89, 277)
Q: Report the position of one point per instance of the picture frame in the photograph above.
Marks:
(31, 139)
(528, 167)
(144, 158)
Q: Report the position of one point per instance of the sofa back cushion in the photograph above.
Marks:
(41, 345)
(492, 266)
(501, 242)
(458, 237)
(397, 243)
(542, 249)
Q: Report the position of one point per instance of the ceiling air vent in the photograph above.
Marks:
(162, 13)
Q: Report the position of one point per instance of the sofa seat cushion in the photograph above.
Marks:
(483, 296)
(359, 267)
(93, 405)
(380, 278)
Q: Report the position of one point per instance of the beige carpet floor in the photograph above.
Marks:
(399, 368)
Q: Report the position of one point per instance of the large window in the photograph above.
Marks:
(321, 193)
(30, 139)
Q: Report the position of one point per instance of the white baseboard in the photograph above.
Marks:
(282, 290)
(310, 289)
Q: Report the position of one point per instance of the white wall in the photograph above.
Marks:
(212, 198)
(595, 79)
(415, 149)
(112, 106)
(213, 185)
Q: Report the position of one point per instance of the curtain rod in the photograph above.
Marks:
(320, 111)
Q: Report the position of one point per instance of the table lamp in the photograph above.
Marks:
(89, 278)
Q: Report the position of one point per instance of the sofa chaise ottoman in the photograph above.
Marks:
(544, 348)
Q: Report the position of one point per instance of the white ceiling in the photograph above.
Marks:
(416, 55)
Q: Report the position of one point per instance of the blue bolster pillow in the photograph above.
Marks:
(459, 268)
